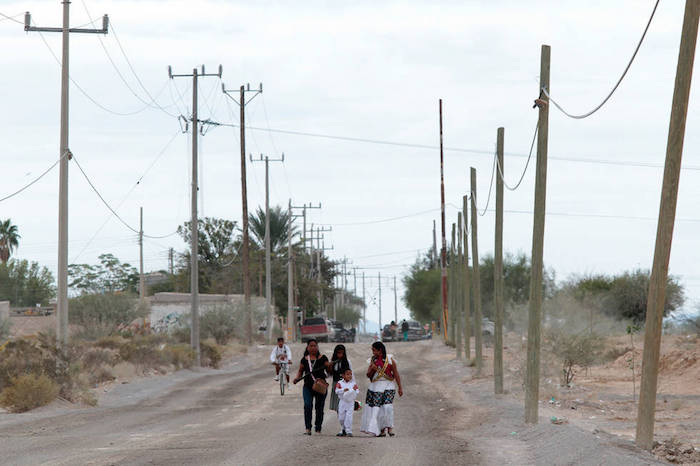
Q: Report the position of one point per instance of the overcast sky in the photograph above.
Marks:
(372, 70)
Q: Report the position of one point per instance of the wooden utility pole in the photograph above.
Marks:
(444, 242)
(451, 290)
(245, 250)
(435, 253)
(379, 277)
(364, 304)
(466, 286)
(476, 283)
(459, 293)
(664, 231)
(291, 319)
(171, 261)
(532, 376)
(142, 281)
(498, 272)
(396, 303)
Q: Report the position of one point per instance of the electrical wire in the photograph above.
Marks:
(619, 81)
(493, 175)
(522, 176)
(383, 220)
(44, 173)
(11, 18)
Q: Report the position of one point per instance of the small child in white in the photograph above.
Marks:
(347, 391)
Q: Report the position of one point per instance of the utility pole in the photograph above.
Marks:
(451, 290)
(459, 293)
(244, 190)
(476, 284)
(498, 271)
(64, 157)
(466, 285)
(194, 222)
(532, 375)
(664, 231)
(379, 276)
(435, 253)
(319, 278)
(396, 311)
(171, 260)
(444, 242)
(354, 281)
(142, 282)
(268, 261)
(291, 319)
(364, 304)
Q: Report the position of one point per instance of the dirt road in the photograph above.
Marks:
(236, 416)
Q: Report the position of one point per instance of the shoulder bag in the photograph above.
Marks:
(320, 385)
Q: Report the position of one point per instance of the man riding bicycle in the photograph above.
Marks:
(281, 354)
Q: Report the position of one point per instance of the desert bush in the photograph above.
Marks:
(574, 350)
(219, 323)
(95, 357)
(211, 353)
(27, 392)
(100, 374)
(179, 355)
(100, 314)
(113, 342)
(144, 352)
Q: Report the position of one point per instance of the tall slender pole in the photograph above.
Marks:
(664, 232)
(354, 281)
(290, 278)
(444, 242)
(194, 230)
(451, 290)
(62, 298)
(246, 239)
(459, 293)
(142, 282)
(379, 276)
(435, 253)
(364, 304)
(476, 283)
(498, 272)
(396, 301)
(466, 285)
(532, 376)
(268, 280)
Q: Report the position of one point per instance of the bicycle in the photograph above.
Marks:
(284, 372)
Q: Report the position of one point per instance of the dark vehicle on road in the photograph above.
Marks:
(388, 334)
(415, 331)
(342, 334)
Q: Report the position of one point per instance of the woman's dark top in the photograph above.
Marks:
(319, 369)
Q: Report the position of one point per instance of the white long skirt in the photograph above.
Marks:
(378, 411)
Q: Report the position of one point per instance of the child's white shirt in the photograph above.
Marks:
(349, 395)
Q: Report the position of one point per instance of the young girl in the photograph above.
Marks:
(378, 415)
(339, 364)
(346, 391)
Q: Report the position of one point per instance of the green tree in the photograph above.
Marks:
(627, 298)
(422, 295)
(279, 228)
(25, 284)
(110, 276)
(9, 239)
(349, 316)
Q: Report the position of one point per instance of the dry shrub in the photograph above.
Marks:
(573, 351)
(145, 352)
(100, 375)
(27, 392)
(179, 355)
(614, 353)
(211, 353)
(113, 342)
(96, 357)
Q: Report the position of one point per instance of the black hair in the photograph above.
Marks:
(308, 342)
(335, 352)
(348, 369)
(378, 345)
(280, 339)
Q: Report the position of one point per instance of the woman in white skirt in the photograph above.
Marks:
(378, 413)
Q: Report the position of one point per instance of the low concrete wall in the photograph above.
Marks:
(167, 307)
(4, 309)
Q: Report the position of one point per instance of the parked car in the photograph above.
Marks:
(318, 328)
(342, 334)
(388, 335)
(415, 331)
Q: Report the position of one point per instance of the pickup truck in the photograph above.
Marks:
(319, 328)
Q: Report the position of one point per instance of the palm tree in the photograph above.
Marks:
(9, 239)
(279, 228)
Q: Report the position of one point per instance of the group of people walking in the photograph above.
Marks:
(384, 383)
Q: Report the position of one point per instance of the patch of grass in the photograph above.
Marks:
(179, 355)
(27, 392)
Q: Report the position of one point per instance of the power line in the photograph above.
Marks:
(11, 18)
(619, 81)
(522, 176)
(493, 173)
(451, 149)
(34, 180)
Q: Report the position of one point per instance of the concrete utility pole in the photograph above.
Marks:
(444, 242)
(532, 376)
(319, 276)
(466, 285)
(194, 221)
(291, 319)
(476, 283)
(64, 157)
(498, 272)
(142, 281)
(268, 260)
(244, 191)
(364, 304)
(459, 293)
(664, 232)
(171, 261)
(379, 275)
(396, 309)
(354, 281)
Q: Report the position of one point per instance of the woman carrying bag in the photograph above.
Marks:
(312, 369)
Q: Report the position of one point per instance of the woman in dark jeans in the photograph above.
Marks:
(312, 366)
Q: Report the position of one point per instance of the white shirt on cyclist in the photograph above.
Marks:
(283, 354)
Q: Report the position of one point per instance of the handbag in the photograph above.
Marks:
(320, 385)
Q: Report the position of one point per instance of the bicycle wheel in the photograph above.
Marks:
(283, 380)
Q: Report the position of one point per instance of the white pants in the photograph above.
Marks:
(345, 412)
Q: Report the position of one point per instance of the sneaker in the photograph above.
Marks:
(340, 434)
(277, 378)
(348, 435)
